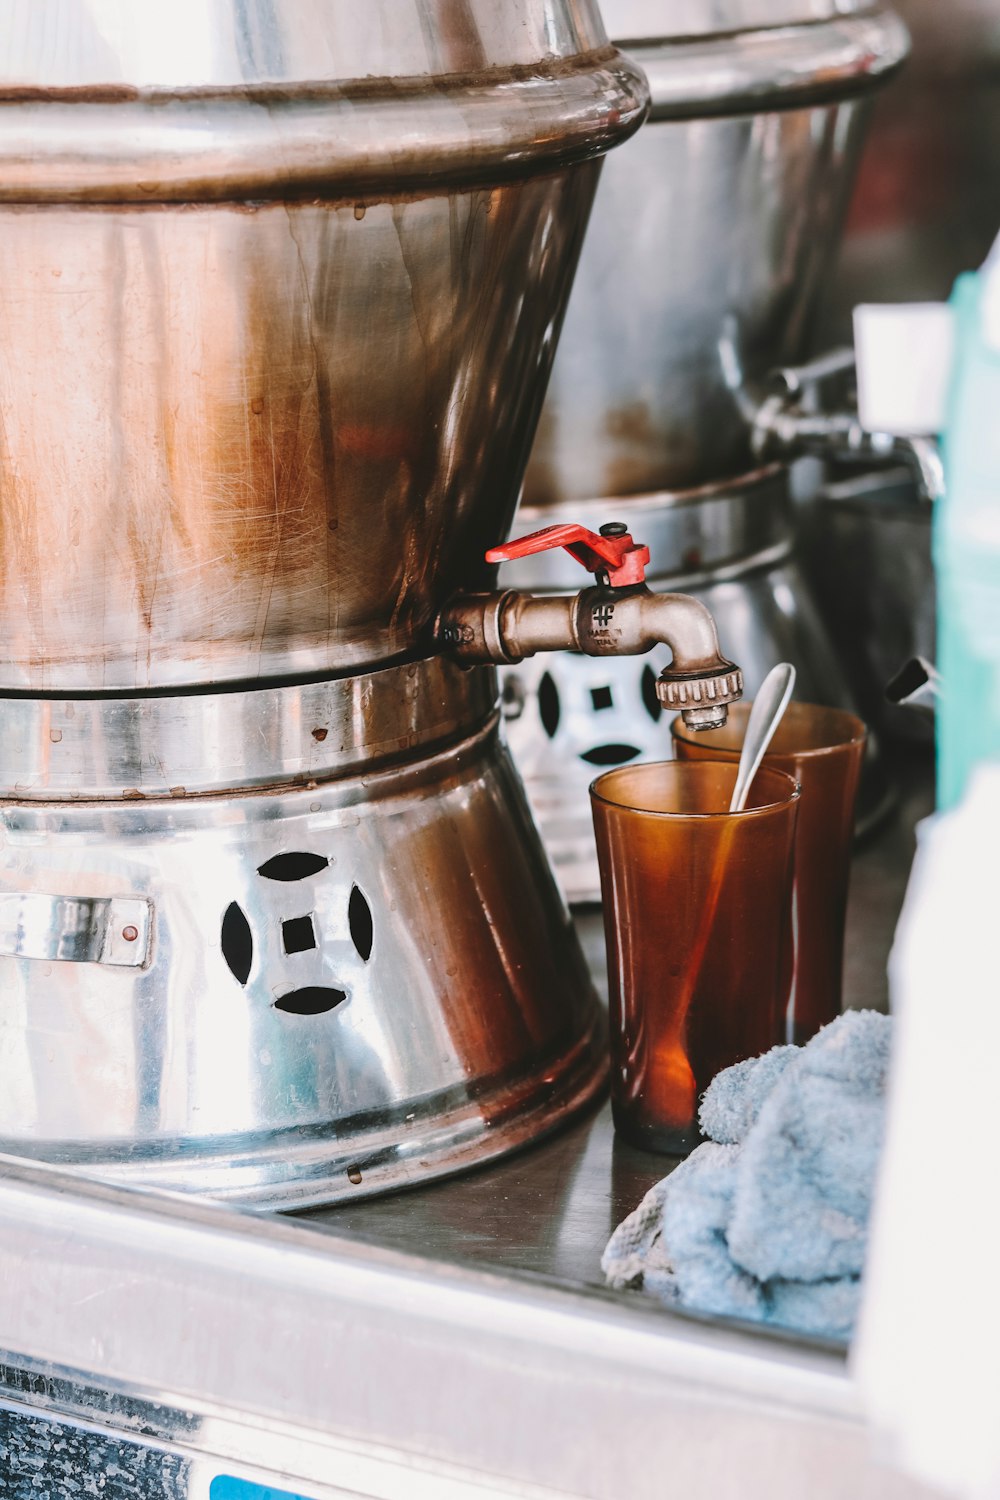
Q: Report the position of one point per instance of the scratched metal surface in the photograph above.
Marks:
(299, 322)
(41, 1459)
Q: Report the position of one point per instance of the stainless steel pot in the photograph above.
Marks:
(279, 289)
(867, 550)
(711, 238)
(282, 946)
(280, 282)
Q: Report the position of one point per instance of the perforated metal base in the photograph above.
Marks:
(349, 986)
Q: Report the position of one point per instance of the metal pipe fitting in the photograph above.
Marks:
(782, 430)
(505, 627)
(793, 420)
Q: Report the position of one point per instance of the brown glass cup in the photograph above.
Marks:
(823, 749)
(697, 904)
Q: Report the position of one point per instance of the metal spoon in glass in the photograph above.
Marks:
(765, 716)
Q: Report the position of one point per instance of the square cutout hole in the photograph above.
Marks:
(298, 934)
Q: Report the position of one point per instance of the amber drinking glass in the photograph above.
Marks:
(697, 921)
(823, 749)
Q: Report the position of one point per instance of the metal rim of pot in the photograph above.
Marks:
(369, 138)
(742, 526)
(176, 745)
(767, 67)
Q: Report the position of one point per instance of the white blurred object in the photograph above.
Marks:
(927, 1353)
(904, 354)
(990, 303)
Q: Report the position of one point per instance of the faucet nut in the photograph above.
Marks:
(706, 718)
(701, 697)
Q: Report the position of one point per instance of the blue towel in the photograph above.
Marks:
(734, 1098)
(769, 1218)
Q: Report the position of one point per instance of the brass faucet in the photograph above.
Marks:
(619, 616)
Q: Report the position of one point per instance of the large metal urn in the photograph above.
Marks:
(712, 237)
(280, 284)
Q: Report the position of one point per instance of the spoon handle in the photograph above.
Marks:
(765, 716)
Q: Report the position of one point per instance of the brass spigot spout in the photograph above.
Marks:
(620, 616)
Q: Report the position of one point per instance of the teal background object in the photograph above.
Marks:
(226, 1488)
(967, 550)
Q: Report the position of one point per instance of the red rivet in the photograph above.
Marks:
(130, 934)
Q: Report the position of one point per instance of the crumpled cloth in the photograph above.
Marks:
(768, 1219)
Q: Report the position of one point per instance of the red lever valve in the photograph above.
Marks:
(612, 552)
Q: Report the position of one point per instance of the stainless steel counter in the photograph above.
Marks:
(446, 1342)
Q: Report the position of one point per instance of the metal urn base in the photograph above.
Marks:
(570, 717)
(339, 975)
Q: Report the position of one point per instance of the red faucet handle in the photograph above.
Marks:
(612, 552)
